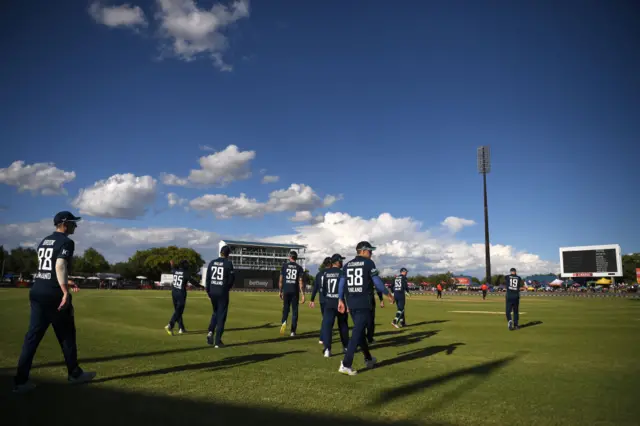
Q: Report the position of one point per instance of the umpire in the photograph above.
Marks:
(51, 304)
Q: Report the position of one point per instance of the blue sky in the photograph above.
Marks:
(382, 105)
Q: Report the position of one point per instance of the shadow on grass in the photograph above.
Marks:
(83, 361)
(257, 327)
(403, 339)
(481, 372)
(222, 364)
(530, 324)
(418, 324)
(416, 354)
(102, 405)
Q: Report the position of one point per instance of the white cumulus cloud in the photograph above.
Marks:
(124, 196)
(456, 224)
(218, 169)
(174, 200)
(39, 178)
(192, 31)
(123, 15)
(270, 179)
(298, 197)
(306, 216)
(401, 242)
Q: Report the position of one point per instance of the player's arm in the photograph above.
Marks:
(301, 284)
(232, 276)
(341, 285)
(316, 285)
(378, 283)
(205, 278)
(281, 279)
(405, 284)
(62, 270)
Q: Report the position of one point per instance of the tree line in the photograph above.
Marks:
(153, 262)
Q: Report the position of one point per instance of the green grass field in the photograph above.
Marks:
(577, 366)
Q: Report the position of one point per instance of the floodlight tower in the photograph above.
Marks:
(484, 167)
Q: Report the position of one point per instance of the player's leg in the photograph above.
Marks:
(358, 338)
(396, 319)
(223, 305)
(182, 301)
(343, 328)
(286, 301)
(509, 308)
(516, 312)
(38, 323)
(64, 326)
(174, 317)
(328, 319)
(322, 322)
(371, 327)
(214, 319)
(295, 304)
(401, 306)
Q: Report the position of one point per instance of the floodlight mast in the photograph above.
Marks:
(484, 167)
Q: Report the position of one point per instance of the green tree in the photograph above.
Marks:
(94, 262)
(629, 264)
(78, 265)
(124, 269)
(475, 280)
(156, 261)
(22, 261)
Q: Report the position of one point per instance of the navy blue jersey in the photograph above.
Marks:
(55, 246)
(514, 283)
(291, 275)
(330, 279)
(317, 287)
(359, 274)
(400, 286)
(181, 278)
(219, 277)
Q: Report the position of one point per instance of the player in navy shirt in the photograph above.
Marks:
(291, 286)
(400, 287)
(356, 285)
(514, 283)
(51, 304)
(181, 278)
(317, 286)
(330, 279)
(219, 279)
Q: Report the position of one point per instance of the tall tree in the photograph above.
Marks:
(156, 261)
(629, 264)
(22, 261)
(94, 261)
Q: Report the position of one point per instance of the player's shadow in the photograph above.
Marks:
(416, 354)
(418, 324)
(479, 372)
(222, 364)
(257, 327)
(404, 339)
(109, 405)
(133, 355)
(530, 324)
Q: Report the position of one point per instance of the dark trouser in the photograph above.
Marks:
(371, 325)
(220, 306)
(439, 294)
(291, 301)
(360, 321)
(513, 305)
(179, 302)
(44, 311)
(484, 294)
(322, 319)
(328, 319)
(400, 303)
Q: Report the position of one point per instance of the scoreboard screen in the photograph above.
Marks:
(591, 261)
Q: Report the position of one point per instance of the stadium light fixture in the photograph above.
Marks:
(484, 167)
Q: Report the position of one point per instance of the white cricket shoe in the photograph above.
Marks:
(347, 371)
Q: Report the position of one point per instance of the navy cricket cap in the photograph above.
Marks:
(225, 251)
(403, 270)
(364, 245)
(512, 270)
(336, 258)
(63, 217)
(293, 255)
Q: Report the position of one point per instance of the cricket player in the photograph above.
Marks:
(330, 279)
(291, 286)
(317, 285)
(181, 278)
(514, 283)
(218, 281)
(400, 287)
(355, 286)
(51, 304)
